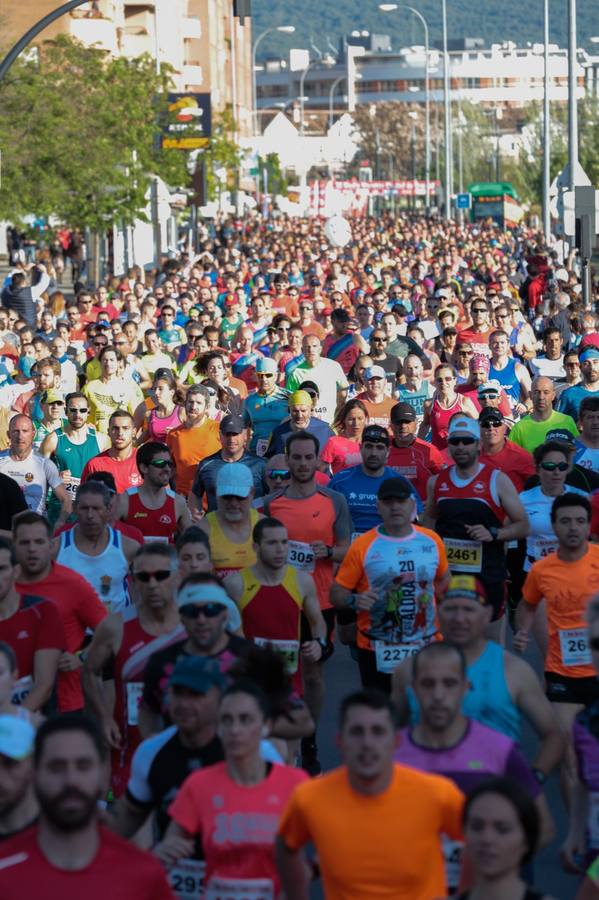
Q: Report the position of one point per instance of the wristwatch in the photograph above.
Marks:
(493, 531)
(329, 552)
(540, 776)
(326, 648)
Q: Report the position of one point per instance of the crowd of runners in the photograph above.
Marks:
(215, 477)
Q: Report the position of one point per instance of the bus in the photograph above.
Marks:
(496, 200)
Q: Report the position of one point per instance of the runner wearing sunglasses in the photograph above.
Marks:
(158, 512)
(467, 505)
(121, 648)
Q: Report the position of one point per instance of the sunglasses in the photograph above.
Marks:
(491, 423)
(551, 466)
(479, 310)
(162, 463)
(466, 441)
(209, 610)
(283, 474)
(159, 575)
(466, 352)
(73, 411)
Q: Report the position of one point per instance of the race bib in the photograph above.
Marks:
(301, 556)
(574, 644)
(289, 650)
(261, 446)
(187, 878)
(593, 821)
(21, 690)
(542, 547)
(135, 690)
(452, 855)
(389, 656)
(153, 537)
(464, 556)
(240, 889)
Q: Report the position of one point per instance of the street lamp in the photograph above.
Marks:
(391, 7)
(283, 29)
(546, 124)
(446, 99)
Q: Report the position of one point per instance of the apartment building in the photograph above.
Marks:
(208, 49)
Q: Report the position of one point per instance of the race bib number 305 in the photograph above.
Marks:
(300, 556)
(464, 556)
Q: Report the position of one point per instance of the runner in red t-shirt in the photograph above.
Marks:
(119, 459)
(40, 862)
(409, 455)
(32, 627)
(79, 606)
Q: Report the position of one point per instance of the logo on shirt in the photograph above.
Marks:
(29, 477)
(165, 520)
(22, 635)
(478, 486)
(443, 487)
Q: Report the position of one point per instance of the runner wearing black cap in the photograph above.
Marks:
(411, 456)
(234, 438)
(390, 576)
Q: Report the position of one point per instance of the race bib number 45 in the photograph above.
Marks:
(464, 556)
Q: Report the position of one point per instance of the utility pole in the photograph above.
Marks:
(447, 102)
(546, 124)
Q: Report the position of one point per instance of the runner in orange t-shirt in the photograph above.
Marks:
(196, 439)
(347, 813)
(565, 581)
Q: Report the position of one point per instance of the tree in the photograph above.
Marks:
(276, 179)
(384, 135)
(223, 152)
(78, 132)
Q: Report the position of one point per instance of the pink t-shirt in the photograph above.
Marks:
(237, 824)
(341, 453)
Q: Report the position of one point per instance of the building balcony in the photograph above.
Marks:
(191, 28)
(136, 42)
(95, 32)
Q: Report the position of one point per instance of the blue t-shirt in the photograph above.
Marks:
(360, 491)
(317, 427)
(572, 397)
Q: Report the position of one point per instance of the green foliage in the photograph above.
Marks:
(277, 181)
(78, 136)
(222, 153)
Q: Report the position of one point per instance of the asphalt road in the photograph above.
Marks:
(341, 676)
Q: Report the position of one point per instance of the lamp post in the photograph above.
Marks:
(390, 7)
(283, 29)
(336, 82)
(446, 99)
(302, 97)
(546, 124)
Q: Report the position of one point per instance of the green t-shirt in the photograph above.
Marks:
(530, 434)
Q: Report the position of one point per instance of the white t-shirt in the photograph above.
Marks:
(329, 377)
(34, 475)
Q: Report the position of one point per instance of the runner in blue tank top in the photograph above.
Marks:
(511, 374)
(502, 686)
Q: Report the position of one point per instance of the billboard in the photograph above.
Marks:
(189, 122)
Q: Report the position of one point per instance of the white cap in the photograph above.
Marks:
(464, 426)
(561, 275)
(374, 372)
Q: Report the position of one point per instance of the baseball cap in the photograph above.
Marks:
(402, 411)
(589, 342)
(53, 396)
(16, 738)
(560, 434)
(232, 300)
(394, 487)
(375, 372)
(491, 415)
(234, 480)
(443, 292)
(266, 366)
(310, 387)
(232, 425)
(561, 275)
(489, 387)
(197, 673)
(465, 587)
(464, 426)
(376, 434)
